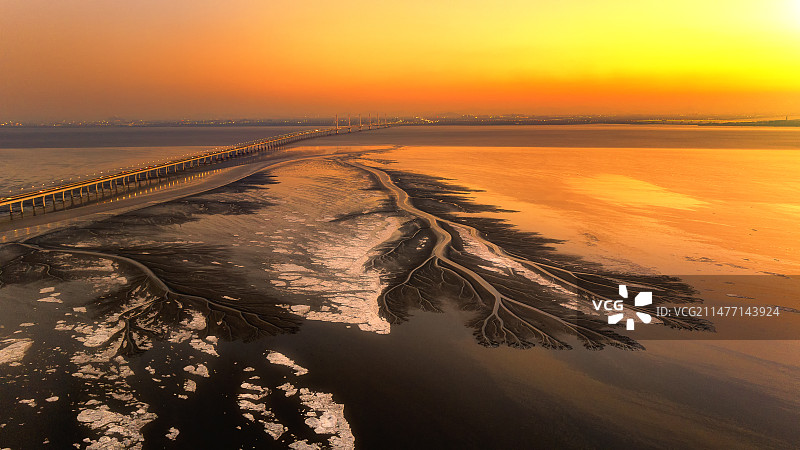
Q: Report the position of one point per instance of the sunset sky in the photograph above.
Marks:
(89, 60)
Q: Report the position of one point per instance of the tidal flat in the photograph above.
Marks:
(359, 301)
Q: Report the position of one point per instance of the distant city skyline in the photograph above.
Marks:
(88, 61)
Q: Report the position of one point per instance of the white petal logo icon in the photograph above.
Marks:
(641, 299)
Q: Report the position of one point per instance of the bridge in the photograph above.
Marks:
(79, 193)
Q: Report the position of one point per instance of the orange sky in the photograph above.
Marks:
(196, 59)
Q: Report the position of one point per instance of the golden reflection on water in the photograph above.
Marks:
(673, 210)
(620, 190)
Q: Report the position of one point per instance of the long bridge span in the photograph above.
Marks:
(79, 193)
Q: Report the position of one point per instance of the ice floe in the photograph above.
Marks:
(14, 351)
(199, 370)
(190, 386)
(203, 346)
(30, 402)
(119, 430)
(283, 360)
(327, 417)
(172, 433)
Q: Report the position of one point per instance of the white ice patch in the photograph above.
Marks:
(352, 291)
(262, 391)
(303, 445)
(274, 429)
(201, 370)
(190, 386)
(300, 309)
(251, 403)
(493, 269)
(197, 321)
(281, 359)
(502, 264)
(327, 417)
(172, 434)
(334, 252)
(99, 361)
(14, 351)
(120, 430)
(288, 389)
(322, 414)
(99, 335)
(203, 346)
(291, 268)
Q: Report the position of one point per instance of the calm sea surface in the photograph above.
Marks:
(42, 156)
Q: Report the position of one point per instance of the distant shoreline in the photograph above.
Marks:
(416, 121)
(761, 123)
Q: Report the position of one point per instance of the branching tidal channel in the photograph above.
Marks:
(520, 296)
(520, 290)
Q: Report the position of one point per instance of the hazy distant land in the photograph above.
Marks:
(431, 119)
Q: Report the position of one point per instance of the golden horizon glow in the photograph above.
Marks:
(89, 60)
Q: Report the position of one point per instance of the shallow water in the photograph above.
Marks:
(679, 211)
(35, 157)
(298, 260)
(582, 136)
